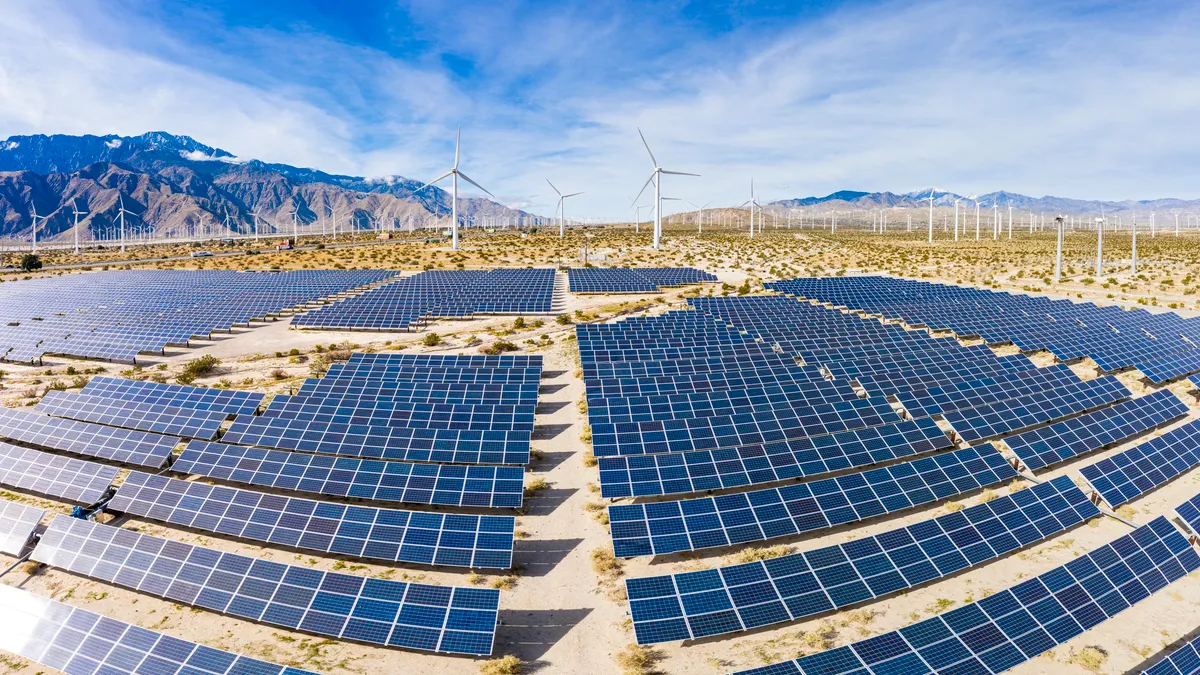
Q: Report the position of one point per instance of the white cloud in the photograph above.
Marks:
(114, 143)
(12, 145)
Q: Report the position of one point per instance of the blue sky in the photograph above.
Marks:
(1080, 99)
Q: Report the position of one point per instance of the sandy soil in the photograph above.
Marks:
(559, 614)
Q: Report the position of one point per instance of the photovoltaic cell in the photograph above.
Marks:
(668, 527)
(1130, 474)
(83, 438)
(229, 401)
(1190, 512)
(54, 475)
(1183, 661)
(341, 606)
(1022, 412)
(677, 473)
(381, 534)
(693, 605)
(441, 484)
(408, 414)
(78, 642)
(1008, 628)
(971, 393)
(160, 419)
(1073, 437)
(17, 525)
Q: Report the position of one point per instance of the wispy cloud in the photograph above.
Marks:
(1083, 99)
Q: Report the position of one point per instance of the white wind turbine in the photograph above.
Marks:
(456, 174)
(956, 201)
(753, 203)
(121, 215)
(35, 219)
(254, 215)
(75, 207)
(700, 218)
(333, 217)
(562, 227)
(656, 178)
(930, 198)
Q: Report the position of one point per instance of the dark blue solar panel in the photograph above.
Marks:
(230, 401)
(1185, 660)
(83, 438)
(342, 606)
(160, 419)
(1023, 412)
(1073, 437)
(694, 605)
(971, 393)
(1008, 628)
(1136, 471)
(668, 527)
(54, 475)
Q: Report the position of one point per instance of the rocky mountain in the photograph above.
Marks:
(853, 200)
(176, 186)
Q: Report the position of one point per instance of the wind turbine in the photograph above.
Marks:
(75, 207)
(254, 215)
(33, 247)
(753, 203)
(975, 198)
(930, 198)
(1058, 251)
(656, 178)
(956, 201)
(1100, 244)
(700, 218)
(455, 173)
(1009, 218)
(562, 227)
(121, 214)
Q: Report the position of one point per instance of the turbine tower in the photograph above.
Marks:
(456, 174)
(753, 203)
(930, 198)
(956, 201)
(121, 214)
(33, 247)
(75, 207)
(700, 218)
(1100, 244)
(1058, 251)
(562, 216)
(656, 178)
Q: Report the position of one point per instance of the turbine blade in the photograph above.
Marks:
(457, 145)
(655, 161)
(681, 173)
(573, 194)
(648, 181)
(464, 177)
(552, 185)
(445, 175)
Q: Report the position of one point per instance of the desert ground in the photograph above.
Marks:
(563, 608)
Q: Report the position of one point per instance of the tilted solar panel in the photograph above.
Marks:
(78, 642)
(1073, 437)
(668, 527)
(341, 606)
(84, 438)
(230, 401)
(1136, 471)
(441, 484)
(157, 418)
(55, 475)
(17, 524)
(381, 534)
(1184, 660)
(1008, 628)
(974, 424)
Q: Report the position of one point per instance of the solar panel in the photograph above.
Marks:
(465, 446)
(84, 438)
(1167, 368)
(726, 431)
(17, 524)
(693, 605)
(1184, 660)
(381, 534)
(632, 280)
(668, 527)
(1007, 628)
(229, 401)
(1136, 471)
(410, 415)
(971, 393)
(54, 475)
(677, 473)
(157, 418)
(342, 606)
(76, 641)
(441, 484)
(1190, 512)
(1073, 437)
(1023, 412)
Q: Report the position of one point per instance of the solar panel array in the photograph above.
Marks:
(117, 315)
(78, 642)
(1051, 444)
(1112, 337)
(153, 417)
(693, 605)
(658, 528)
(1008, 628)
(17, 524)
(986, 421)
(367, 532)
(1136, 471)
(1183, 661)
(441, 484)
(937, 400)
(407, 301)
(84, 438)
(342, 606)
(229, 401)
(71, 479)
(633, 280)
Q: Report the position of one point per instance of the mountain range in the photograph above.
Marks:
(176, 186)
(853, 200)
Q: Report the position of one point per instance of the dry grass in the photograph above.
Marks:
(606, 565)
(505, 665)
(638, 660)
(750, 555)
(1090, 658)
